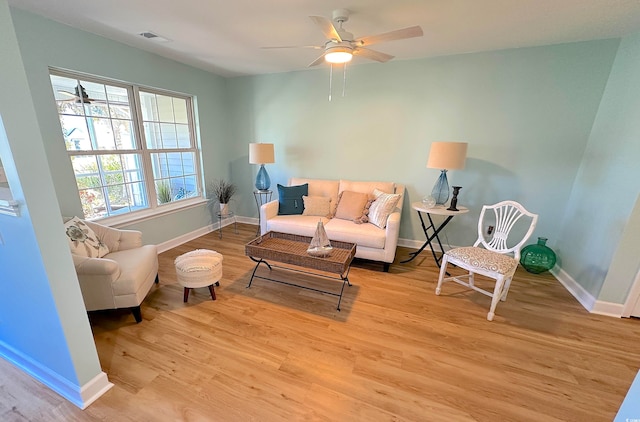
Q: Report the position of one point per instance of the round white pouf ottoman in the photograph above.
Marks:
(199, 268)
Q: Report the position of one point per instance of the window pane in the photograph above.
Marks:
(96, 109)
(137, 195)
(92, 203)
(148, 106)
(184, 140)
(85, 166)
(164, 191)
(153, 135)
(95, 91)
(75, 132)
(160, 168)
(165, 108)
(180, 110)
(132, 166)
(174, 161)
(117, 95)
(101, 130)
(188, 163)
(123, 133)
(190, 186)
(120, 111)
(169, 138)
(70, 107)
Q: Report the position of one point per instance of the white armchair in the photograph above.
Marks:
(123, 277)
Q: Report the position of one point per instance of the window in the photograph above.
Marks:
(131, 148)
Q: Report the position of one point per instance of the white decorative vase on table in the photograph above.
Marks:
(224, 209)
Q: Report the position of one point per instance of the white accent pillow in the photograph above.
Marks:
(83, 241)
(317, 205)
(384, 205)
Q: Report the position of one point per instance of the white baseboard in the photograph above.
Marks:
(177, 241)
(95, 388)
(585, 298)
(81, 396)
(608, 309)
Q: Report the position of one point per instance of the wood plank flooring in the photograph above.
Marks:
(396, 351)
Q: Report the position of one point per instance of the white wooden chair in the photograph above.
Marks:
(495, 259)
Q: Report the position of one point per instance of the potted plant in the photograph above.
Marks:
(221, 191)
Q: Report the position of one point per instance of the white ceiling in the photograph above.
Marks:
(225, 36)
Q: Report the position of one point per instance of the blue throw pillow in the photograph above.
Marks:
(290, 199)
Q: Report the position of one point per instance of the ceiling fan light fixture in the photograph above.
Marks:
(338, 54)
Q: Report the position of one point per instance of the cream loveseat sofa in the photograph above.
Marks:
(373, 242)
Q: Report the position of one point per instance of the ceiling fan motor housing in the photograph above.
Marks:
(341, 15)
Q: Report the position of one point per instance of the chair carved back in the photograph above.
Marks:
(506, 213)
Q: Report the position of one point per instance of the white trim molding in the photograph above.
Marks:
(80, 395)
(585, 298)
(607, 308)
(177, 241)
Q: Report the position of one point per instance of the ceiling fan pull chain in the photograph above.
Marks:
(330, 80)
(344, 79)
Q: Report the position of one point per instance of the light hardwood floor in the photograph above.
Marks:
(396, 351)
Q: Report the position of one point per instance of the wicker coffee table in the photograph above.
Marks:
(292, 249)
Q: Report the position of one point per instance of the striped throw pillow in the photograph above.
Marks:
(384, 205)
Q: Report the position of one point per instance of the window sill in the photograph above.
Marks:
(128, 219)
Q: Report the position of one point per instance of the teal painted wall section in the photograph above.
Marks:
(607, 185)
(46, 43)
(526, 113)
(42, 317)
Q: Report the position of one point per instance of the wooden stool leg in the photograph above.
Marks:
(186, 293)
(213, 292)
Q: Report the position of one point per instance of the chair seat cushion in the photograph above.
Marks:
(484, 259)
(136, 266)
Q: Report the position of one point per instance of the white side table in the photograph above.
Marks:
(436, 210)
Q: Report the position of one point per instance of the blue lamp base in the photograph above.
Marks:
(441, 189)
(263, 182)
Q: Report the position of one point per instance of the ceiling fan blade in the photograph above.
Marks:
(400, 34)
(326, 27)
(67, 93)
(317, 61)
(317, 47)
(372, 54)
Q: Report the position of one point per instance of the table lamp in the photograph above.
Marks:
(445, 156)
(262, 154)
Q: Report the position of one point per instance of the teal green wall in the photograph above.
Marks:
(526, 113)
(45, 43)
(607, 186)
(43, 324)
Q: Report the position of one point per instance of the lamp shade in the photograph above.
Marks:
(447, 155)
(261, 154)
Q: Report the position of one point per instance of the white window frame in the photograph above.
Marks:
(154, 209)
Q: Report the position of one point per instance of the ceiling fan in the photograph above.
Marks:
(79, 96)
(341, 45)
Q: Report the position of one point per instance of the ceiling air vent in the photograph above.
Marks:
(153, 37)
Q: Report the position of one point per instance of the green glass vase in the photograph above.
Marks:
(538, 258)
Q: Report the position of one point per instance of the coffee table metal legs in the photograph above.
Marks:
(343, 277)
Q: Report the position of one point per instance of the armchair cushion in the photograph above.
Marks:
(83, 240)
